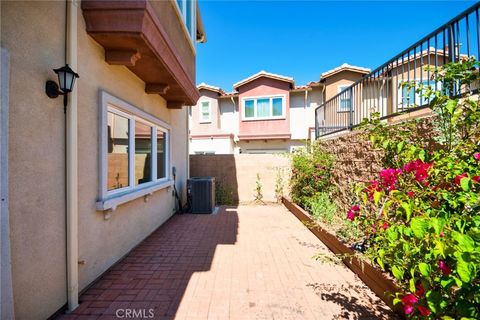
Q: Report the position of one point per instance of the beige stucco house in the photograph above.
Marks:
(81, 189)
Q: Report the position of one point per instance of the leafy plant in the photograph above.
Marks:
(223, 193)
(279, 185)
(421, 218)
(322, 208)
(258, 191)
(311, 173)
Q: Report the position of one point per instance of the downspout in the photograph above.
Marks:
(235, 134)
(72, 161)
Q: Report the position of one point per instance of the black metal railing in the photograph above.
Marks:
(381, 90)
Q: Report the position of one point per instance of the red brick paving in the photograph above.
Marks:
(242, 263)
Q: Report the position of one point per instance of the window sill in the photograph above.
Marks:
(264, 119)
(111, 202)
(343, 111)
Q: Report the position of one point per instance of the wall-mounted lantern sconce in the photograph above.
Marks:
(66, 80)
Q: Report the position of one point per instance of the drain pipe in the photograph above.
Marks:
(72, 161)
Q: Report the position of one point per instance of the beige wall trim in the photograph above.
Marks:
(6, 295)
(72, 162)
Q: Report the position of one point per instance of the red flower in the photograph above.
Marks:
(411, 194)
(446, 269)
(355, 207)
(420, 290)
(385, 225)
(419, 168)
(370, 190)
(459, 178)
(351, 215)
(423, 311)
(442, 234)
(389, 178)
(476, 179)
(408, 301)
(476, 156)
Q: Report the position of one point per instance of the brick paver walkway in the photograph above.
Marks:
(250, 262)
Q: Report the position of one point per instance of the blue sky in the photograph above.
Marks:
(305, 38)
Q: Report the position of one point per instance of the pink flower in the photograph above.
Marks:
(351, 215)
(476, 156)
(423, 311)
(411, 194)
(459, 178)
(442, 234)
(476, 179)
(389, 177)
(446, 269)
(419, 168)
(408, 308)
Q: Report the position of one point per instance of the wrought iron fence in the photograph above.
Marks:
(381, 90)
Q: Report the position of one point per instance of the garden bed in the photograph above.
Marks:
(370, 275)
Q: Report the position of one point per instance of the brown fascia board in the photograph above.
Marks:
(133, 36)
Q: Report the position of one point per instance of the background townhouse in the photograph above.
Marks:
(81, 189)
(266, 113)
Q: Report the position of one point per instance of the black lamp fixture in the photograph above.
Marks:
(66, 81)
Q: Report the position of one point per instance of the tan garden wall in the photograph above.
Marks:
(356, 161)
(239, 173)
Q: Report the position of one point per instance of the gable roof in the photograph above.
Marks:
(208, 87)
(344, 67)
(265, 74)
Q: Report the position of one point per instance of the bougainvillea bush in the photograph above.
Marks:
(421, 216)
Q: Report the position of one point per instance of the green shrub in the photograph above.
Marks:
(311, 174)
(322, 208)
(223, 194)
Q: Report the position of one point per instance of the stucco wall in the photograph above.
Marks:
(213, 126)
(264, 87)
(229, 115)
(102, 242)
(238, 173)
(36, 156)
(33, 34)
(215, 145)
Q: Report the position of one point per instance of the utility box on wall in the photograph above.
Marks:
(201, 194)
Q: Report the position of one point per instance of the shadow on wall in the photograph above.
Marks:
(155, 275)
(223, 168)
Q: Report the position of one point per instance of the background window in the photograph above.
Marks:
(263, 108)
(205, 112)
(143, 153)
(277, 107)
(249, 108)
(117, 157)
(345, 98)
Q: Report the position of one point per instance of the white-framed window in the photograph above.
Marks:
(188, 14)
(134, 153)
(205, 112)
(345, 99)
(408, 98)
(264, 107)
